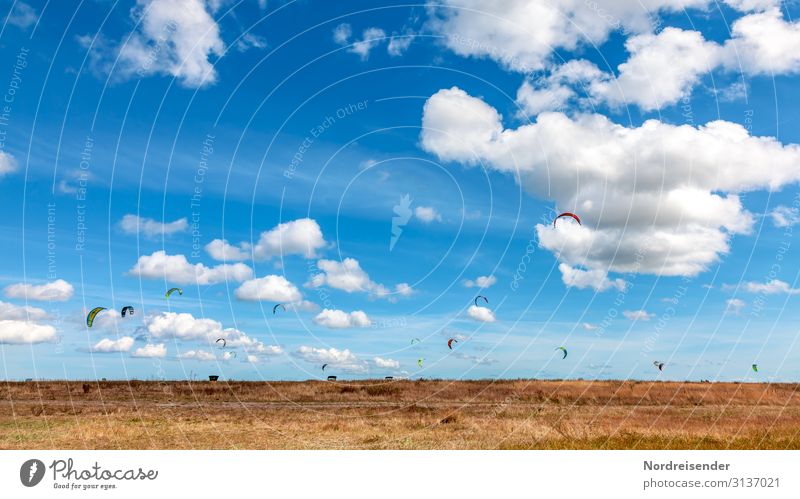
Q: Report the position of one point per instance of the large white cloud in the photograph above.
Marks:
(134, 224)
(26, 332)
(298, 237)
(58, 290)
(523, 35)
(273, 288)
(150, 350)
(658, 198)
(176, 269)
(348, 276)
(174, 37)
(107, 345)
(9, 311)
(339, 319)
(763, 43)
(184, 326)
(341, 360)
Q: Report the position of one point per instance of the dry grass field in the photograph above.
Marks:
(515, 414)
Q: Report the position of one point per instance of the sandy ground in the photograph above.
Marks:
(518, 414)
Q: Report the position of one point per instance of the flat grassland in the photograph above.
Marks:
(377, 414)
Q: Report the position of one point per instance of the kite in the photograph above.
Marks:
(567, 214)
(223, 340)
(563, 350)
(755, 368)
(324, 366)
(416, 339)
(450, 343)
(92, 315)
(484, 299)
(659, 365)
(419, 361)
(128, 310)
(172, 290)
(275, 308)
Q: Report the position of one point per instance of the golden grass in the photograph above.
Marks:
(514, 414)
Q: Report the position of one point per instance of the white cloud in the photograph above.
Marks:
(763, 43)
(150, 350)
(784, 216)
(427, 214)
(222, 250)
(385, 363)
(298, 237)
(753, 5)
(589, 326)
(9, 311)
(637, 315)
(348, 276)
(273, 288)
(183, 326)
(58, 290)
(8, 164)
(734, 306)
(25, 332)
(253, 359)
(658, 198)
(481, 314)
(399, 43)
(133, 224)
(554, 91)
(174, 37)
(772, 287)
(250, 40)
(596, 279)
(339, 319)
(341, 360)
(483, 282)
(107, 345)
(370, 38)
(200, 355)
(662, 68)
(22, 15)
(176, 269)
(523, 36)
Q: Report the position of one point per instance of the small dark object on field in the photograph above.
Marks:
(331, 378)
(213, 378)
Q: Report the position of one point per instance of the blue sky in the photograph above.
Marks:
(255, 153)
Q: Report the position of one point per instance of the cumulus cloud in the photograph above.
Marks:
(107, 345)
(133, 224)
(15, 332)
(58, 290)
(298, 237)
(8, 164)
(339, 319)
(772, 287)
(784, 216)
(185, 327)
(382, 363)
(596, 279)
(427, 214)
(399, 43)
(273, 288)
(657, 199)
(173, 37)
(150, 350)
(9, 311)
(523, 36)
(22, 15)
(763, 43)
(341, 360)
(589, 326)
(200, 355)
(348, 276)
(481, 314)
(481, 282)
(637, 315)
(176, 269)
